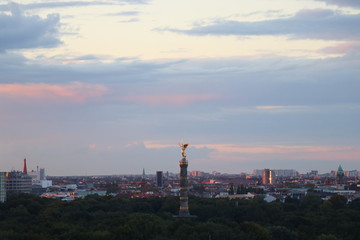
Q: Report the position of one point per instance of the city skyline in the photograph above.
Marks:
(192, 172)
(112, 87)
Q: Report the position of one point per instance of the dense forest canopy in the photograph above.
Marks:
(29, 217)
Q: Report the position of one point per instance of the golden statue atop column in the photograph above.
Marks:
(183, 147)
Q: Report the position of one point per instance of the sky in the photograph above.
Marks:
(113, 86)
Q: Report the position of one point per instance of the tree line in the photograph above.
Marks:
(27, 217)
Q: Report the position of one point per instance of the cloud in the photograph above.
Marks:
(269, 108)
(124, 14)
(133, 1)
(87, 57)
(63, 4)
(131, 20)
(256, 152)
(276, 149)
(343, 48)
(74, 92)
(302, 92)
(342, 3)
(253, 149)
(306, 24)
(250, 85)
(18, 31)
(93, 146)
(169, 99)
(88, 68)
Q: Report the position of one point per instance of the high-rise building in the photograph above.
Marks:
(18, 182)
(267, 177)
(285, 172)
(42, 174)
(159, 179)
(2, 186)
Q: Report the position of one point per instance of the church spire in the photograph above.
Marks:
(143, 174)
(339, 178)
(340, 171)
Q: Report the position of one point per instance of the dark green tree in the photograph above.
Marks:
(282, 233)
(338, 201)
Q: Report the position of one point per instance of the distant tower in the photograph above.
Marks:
(25, 167)
(339, 178)
(184, 207)
(143, 183)
(143, 174)
(159, 179)
(267, 176)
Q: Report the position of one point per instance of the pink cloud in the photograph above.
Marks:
(74, 92)
(92, 146)
(343, 48)
(274, 149)
(169, 99)
(157, 145)
(134, 144)
(239, 152)
(97, 147)
(326, 153)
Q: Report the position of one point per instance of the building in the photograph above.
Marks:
(159, 179)
(267, 177)
(351, 174)
(39, 179)
(277, 172)
(313, 173)
(2, 186)
(257, 172)
(42, 174)
(195, 173)
(285, 172)
(340, 178)
(18, 182)
(35, 176)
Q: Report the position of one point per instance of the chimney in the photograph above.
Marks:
(25, 168)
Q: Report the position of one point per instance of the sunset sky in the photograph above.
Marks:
(112, 86)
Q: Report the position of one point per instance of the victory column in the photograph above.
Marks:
(184, 207)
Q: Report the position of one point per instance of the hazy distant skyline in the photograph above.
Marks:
(112, 87)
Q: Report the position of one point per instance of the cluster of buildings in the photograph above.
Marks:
(271, 183)
(23, 182)
(287, 183)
